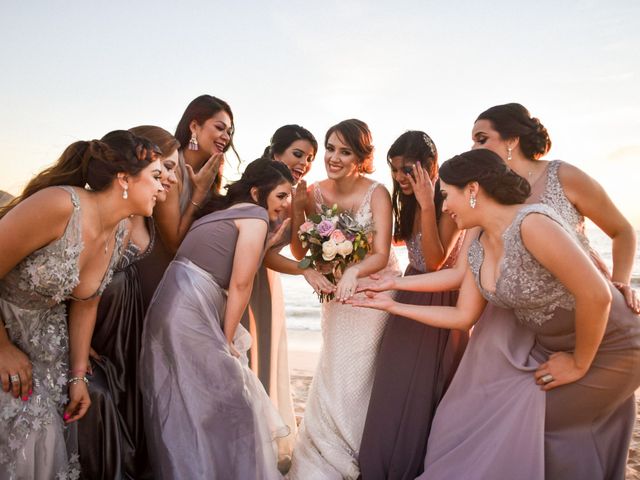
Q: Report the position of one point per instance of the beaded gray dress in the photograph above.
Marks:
(32, 296)
(490, 423)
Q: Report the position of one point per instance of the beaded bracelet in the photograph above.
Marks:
(74, 380)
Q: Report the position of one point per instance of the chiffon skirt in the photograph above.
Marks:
(206, 413)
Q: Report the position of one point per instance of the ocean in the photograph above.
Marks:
(302, 308)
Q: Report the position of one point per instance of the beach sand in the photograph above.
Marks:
(304, 351)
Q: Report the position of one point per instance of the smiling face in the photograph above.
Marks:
(484, 136)
(278, 201)
(298, 157)
(144, 189)
(339, 158)
(168, 176)
(401, 169)
(214, 134)
(456, 204)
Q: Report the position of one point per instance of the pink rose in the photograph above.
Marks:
(337, 236)
(326, 228)
(306, 227)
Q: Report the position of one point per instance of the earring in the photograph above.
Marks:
(509, 156)
(125, 193)
(193, 142)
(472, 201)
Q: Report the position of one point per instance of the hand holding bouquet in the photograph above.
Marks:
(335, 241)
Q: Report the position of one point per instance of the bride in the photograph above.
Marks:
(331, 431)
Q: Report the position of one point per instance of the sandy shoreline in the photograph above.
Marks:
(304, 351)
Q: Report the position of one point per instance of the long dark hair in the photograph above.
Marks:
(95, 163)
(513, 120)
(264, 174)
(357, 135)
(416, 146)
(284, 136)
(487, 168)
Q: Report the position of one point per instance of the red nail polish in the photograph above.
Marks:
(25, 398)
(66, 416)
(30, 392)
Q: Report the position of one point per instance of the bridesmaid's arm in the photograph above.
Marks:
(172, 225)
(461, 317)
(591, 200)
(252, 233)
(297, 250)
(30, 225)
(552, 246)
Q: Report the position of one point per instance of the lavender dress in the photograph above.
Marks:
(490, 422)
(414, 367)
(206, 414)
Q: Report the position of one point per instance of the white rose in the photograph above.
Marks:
(345, 248)
(329, 250)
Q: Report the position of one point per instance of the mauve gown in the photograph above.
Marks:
(206, 414)
(414, 367)
(111, 440)
(490, 423)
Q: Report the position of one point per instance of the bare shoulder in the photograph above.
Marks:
(573, 179)
(49, 205)
(380, 193)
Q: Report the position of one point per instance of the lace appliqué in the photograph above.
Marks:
(523, 284)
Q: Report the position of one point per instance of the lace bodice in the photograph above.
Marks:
(48, 276)
(555, 197)
(523, 284)
(416, 257)
(363, 215)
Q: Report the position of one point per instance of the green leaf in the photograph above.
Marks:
(361, 252)
(315, 218)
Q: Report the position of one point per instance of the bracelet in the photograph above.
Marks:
(74, 380)
(78, 371)
(197, 205)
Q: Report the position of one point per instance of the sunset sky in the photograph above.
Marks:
(75, 70)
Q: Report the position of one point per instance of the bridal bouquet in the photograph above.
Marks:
(335, 241)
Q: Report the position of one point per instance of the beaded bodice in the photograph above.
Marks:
(364, 215)
(523, 284)
(48, 276)
(416, 257)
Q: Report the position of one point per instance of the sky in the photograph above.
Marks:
(75, 70)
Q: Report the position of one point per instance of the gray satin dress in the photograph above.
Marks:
(206, 413)
(34, 442)
(495, 422)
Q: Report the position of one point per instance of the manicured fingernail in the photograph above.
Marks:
(66, 416)
(30, 392)
(25, 398)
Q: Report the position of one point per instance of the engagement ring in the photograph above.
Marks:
(547, 378)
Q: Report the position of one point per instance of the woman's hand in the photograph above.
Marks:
(630, 295)
(233, 350)
(276, 237)
(559, 370)
(79, 402)
(422, 186)
(299, 198)
(14, 363)
(378, 301)
(347, 285)
(376, 283)
(318, 281)
(203, 180)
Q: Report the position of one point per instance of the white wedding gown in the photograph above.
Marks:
(331, 431)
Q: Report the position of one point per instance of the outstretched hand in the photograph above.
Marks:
(376, 300)
(318, 281)
(376, 283)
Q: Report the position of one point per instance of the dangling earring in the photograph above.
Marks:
(472, 201)
(509, 157)
(125, 193)
(193, 143)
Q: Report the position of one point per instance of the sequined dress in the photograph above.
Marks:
(495, 422)
(330, 434)
(32, 296)
(415, 365)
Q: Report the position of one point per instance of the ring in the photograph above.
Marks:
(548, 378)
(15, 378)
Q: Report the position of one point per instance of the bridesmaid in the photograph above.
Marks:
(296, 147)
(111, 439)
(581, 342)
(206, 413)
(60, 242)
(416, 362)
(205, 133)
